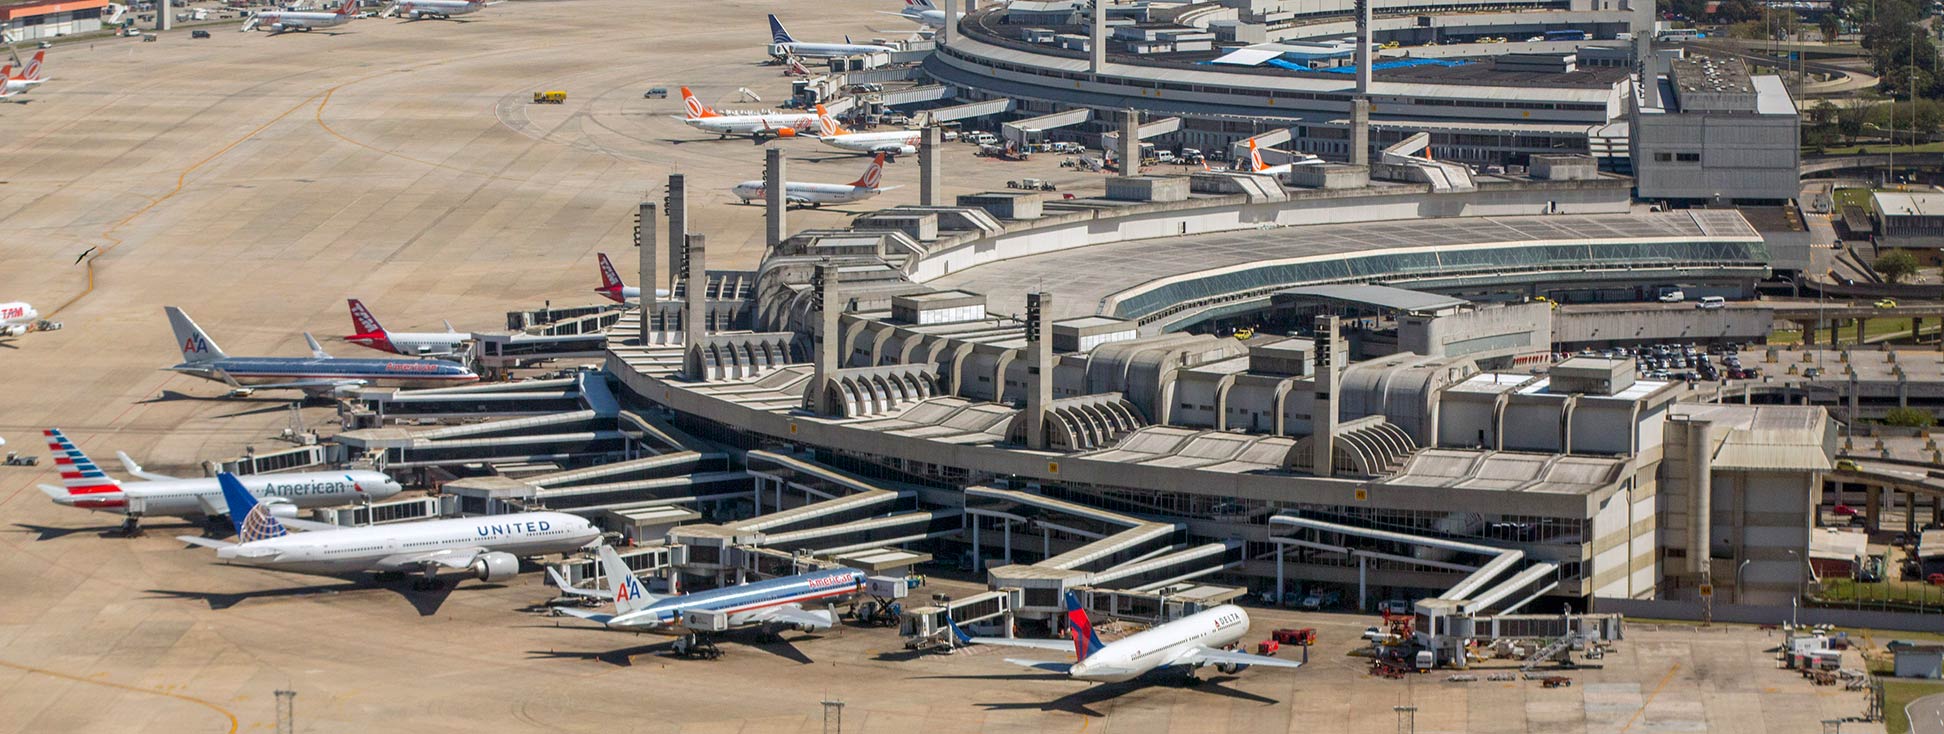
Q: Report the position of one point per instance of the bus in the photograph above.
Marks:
(1677, 34)
(1565, 35)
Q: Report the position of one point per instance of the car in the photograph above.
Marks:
(1374, 634)
(1711, 303)
(1812, 372)
(1886, 303)
(1846, 465)
(1321, 599)
(199, 34)
(1843, 510)
(655, 93)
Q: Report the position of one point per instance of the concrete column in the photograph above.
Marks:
(1937, 509)
(1363, 582)
(1039, 367)
(1910, 514)
(1097, 40)
(1281, 550)
(1360, 104)
(775, 203)
(1130, 143)
(677, 206)
(945, 32)
(164, 12)
(695, 316)
(1360, 131)
(825, 359)
(1700, 467)
(931, 176)
(1809, 334)
(1364, 37)
(1323, 416)
(1006, 527)
(976, 565)
(1873, 507)
(647, 249)
(1859, 330)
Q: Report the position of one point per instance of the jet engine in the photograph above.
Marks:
(15, 330)
(785, 132)
(276, 27)
(279, 507)
(495, 567)
(1231, 668)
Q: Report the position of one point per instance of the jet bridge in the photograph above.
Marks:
(1022, 131)
(985, 108)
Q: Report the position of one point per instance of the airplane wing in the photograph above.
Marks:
(1046, 665)
(1061, 645)
(204, 542)
(311, 526)
(1203, 655)
(449, 558)
(136, 469)
(575, 590)
(212, 504)
(602, 617)
(307, 385)
(792, 614)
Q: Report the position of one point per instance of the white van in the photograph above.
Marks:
(1673, 296)
(1711, 302)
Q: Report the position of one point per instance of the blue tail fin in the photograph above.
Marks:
(1085, 641)
(252, 519)
(777, 34)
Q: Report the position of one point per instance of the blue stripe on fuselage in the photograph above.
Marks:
(409, 369)
(760, 594)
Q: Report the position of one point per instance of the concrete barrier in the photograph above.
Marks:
(1771, 614)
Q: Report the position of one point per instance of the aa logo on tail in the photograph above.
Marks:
(195, 345)
(630, 589)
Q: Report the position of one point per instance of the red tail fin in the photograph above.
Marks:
(610, 278)
(872, 175)
(349, 5)
(362, 322)
(828, 124)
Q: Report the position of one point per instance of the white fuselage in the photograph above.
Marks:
(15, 317)
(19, 86)
(416, 9)
(896, 142)
(284, 20)
(191, 497)
(752, 124)
(805, 194)
(803, 50)
(367, 548)
(414, 343)
(928, 18)
(1131, 656)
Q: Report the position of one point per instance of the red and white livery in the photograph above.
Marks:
(370, 333)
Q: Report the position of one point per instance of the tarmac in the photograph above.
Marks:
(258, 181)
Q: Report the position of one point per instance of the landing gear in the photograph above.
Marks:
(131, 527)
(430, 581)
(217, 526)
(696, 647)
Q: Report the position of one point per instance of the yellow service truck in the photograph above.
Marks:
(550, 97)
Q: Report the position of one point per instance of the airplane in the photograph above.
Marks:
(1187, 644)
(24, 82)
(411, 343)
(278, 21)
(439, 9)
(318, 374)
(781, 45)
(891, 143)
(85, 485)
(759, 127)
(777, 601)
(1256, 165)
(615, 289)
(817, 194)
(922, 12)
(490, 545)
(17, 317)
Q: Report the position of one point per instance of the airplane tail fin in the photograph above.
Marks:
(196, 345)
(696, 110)
(610, 278)
(33, 70)
(349, 5)
(317, 351)
(828, 124)
(1085, 641)
(777, 34)
(628, 592)
(1255, 157)
(363, 323)
(79, 474)
(252, 519)
(872, 175)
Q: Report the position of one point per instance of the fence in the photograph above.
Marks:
(1772, 614)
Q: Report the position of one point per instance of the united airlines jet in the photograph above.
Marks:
(318, 374)
(85, 485)
(489, 546)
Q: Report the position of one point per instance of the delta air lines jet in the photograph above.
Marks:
(1188, 643)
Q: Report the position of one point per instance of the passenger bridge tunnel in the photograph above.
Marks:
(1075, 546)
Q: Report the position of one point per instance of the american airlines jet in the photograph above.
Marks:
(1188, 643)
(489, 546)
(617, 290)
(438, 9)
(24, 82)
(777, 601)
(85, 485)
(372, 334)
(924, 13)
(318, 374)
(278, 21)
(891, 143)
(782, 45)
(818, 194)
(760, 127)
(16, 318)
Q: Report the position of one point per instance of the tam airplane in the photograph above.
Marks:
(615, 289)
(318, 374)
(760, 127)
(891, 143)
(777, 601)
(818, 194)
(16, 318)
(924, 13)
(782, 45)
(490, 546)
(436, 9)
(278, 21)
(372, 334)
(24, 82)
(85, 485)
(1185, 644)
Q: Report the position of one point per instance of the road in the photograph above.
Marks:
(1926, 714)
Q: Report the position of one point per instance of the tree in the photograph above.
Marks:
(1909, 418)
(1849, 121)
(1895, 265)
(1830, 27)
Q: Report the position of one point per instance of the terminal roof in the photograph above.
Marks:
(1379, 296)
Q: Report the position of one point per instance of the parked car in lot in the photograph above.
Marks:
(1321, 599)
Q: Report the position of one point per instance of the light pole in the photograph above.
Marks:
(1738, 578)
